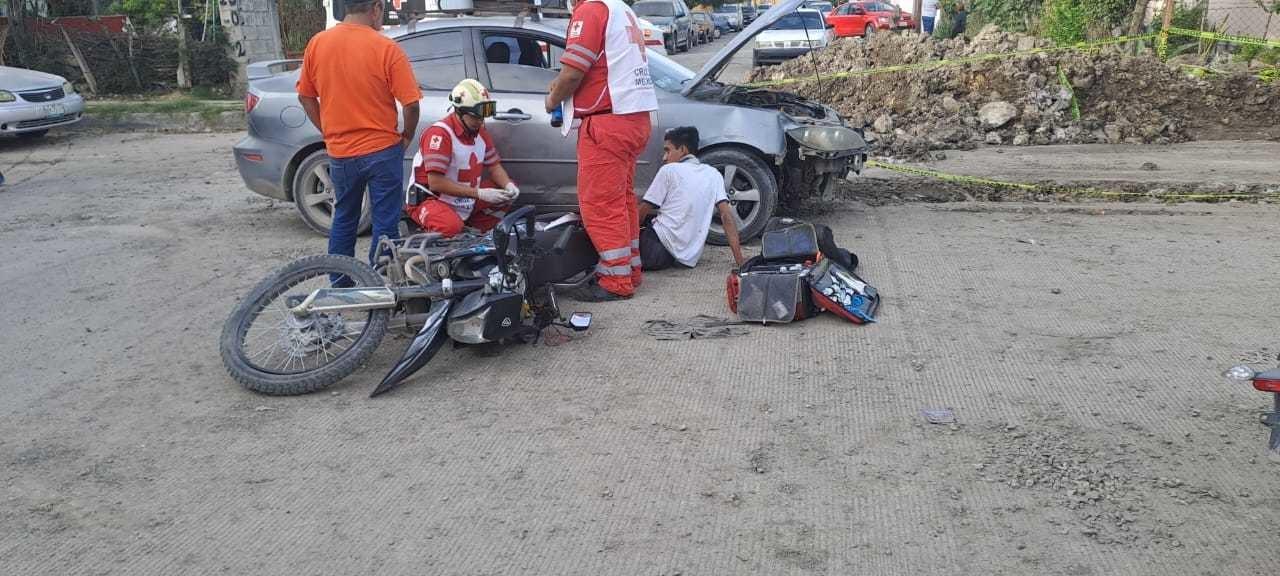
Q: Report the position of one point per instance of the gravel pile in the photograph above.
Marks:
(1020, 100)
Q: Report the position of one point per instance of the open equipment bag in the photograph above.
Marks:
(842, 292)
(799, 273)
(764, 292)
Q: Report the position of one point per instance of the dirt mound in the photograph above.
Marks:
(1021, 100)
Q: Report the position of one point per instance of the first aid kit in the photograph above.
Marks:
(795, 278)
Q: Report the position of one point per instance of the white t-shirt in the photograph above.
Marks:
(930, 8)
(686, 194)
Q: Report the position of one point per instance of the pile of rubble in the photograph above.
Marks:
(1020, 100)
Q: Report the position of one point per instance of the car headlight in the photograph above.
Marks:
(7, 96)
(884, 20)
(68, 88)
(827, 138)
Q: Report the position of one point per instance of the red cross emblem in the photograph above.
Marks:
(636, 35)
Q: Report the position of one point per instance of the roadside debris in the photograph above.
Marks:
(699, 327)
(939, 415)
(1020, 100)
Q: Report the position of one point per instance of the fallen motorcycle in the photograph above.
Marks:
(315, 321)
(1266, 381)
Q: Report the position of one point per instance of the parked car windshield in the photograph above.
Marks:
(667, 75)
(799, 21)
(878, 7)
(660, 9)
(820, 6)
(727, 9)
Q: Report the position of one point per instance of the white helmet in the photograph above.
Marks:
(471, 97)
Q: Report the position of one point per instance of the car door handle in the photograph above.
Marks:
(512, 115)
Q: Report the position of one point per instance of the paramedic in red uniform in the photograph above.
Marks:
(607, 74)
(450, 163)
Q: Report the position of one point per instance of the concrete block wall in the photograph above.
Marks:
(253, 30)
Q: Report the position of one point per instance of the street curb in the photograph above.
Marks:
(165, 122)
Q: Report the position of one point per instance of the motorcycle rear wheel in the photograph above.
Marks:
(269, 350)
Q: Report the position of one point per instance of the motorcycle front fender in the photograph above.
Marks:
(422, 349)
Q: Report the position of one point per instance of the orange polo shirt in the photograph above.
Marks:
(358, 74)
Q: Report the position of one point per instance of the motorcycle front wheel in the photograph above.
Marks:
(270, 350)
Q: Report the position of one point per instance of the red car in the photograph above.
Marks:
(867, 18)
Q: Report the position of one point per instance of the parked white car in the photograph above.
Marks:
(33, 102)
(792, 35)
(652, 37)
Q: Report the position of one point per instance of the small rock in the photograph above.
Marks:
(997, 114)
(994, 138)
(883, 124)
(1021, 139)
(263, 409)
(1114, 133)
(1055, 290)
(1150, 166)
(950, 105)
(682, 428)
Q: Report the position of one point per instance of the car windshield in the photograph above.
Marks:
(727, 9)
(667, 74)
(660, 9)
(799, 21)
(820, 6)
(877, 7)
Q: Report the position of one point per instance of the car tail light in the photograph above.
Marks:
(250, 101)
(1267, 384)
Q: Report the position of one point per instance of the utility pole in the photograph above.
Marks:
(916, 13)
(184, 53)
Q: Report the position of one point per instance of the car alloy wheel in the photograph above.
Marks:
(752, 190)
(313, 195)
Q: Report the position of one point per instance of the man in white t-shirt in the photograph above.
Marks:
(682, 199)
(929, 14)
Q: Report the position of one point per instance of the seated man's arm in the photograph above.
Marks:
(493, 162)
(646, 210)
(499, 175)
(438, 183)
(730, 221)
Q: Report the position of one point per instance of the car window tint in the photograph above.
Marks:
(437, 59)
(520, 63)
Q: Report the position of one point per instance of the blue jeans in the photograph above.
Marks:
(383, 173)
(928, 24)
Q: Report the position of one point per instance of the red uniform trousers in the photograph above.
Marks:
(434, 215)
(608, 147)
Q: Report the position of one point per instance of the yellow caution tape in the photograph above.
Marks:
(1224, 37)
(1060, 190)
(932, 64)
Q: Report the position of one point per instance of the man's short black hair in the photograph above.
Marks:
(686, 136)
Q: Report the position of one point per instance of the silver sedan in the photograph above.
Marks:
(771, 146)
(32, 102)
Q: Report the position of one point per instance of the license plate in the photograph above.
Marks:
(54, 110)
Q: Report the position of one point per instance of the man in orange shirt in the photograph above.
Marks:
(352, 77)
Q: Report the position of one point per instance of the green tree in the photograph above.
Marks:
(146, 13)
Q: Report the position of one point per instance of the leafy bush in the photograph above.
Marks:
(1064, 21)
(145, 14)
